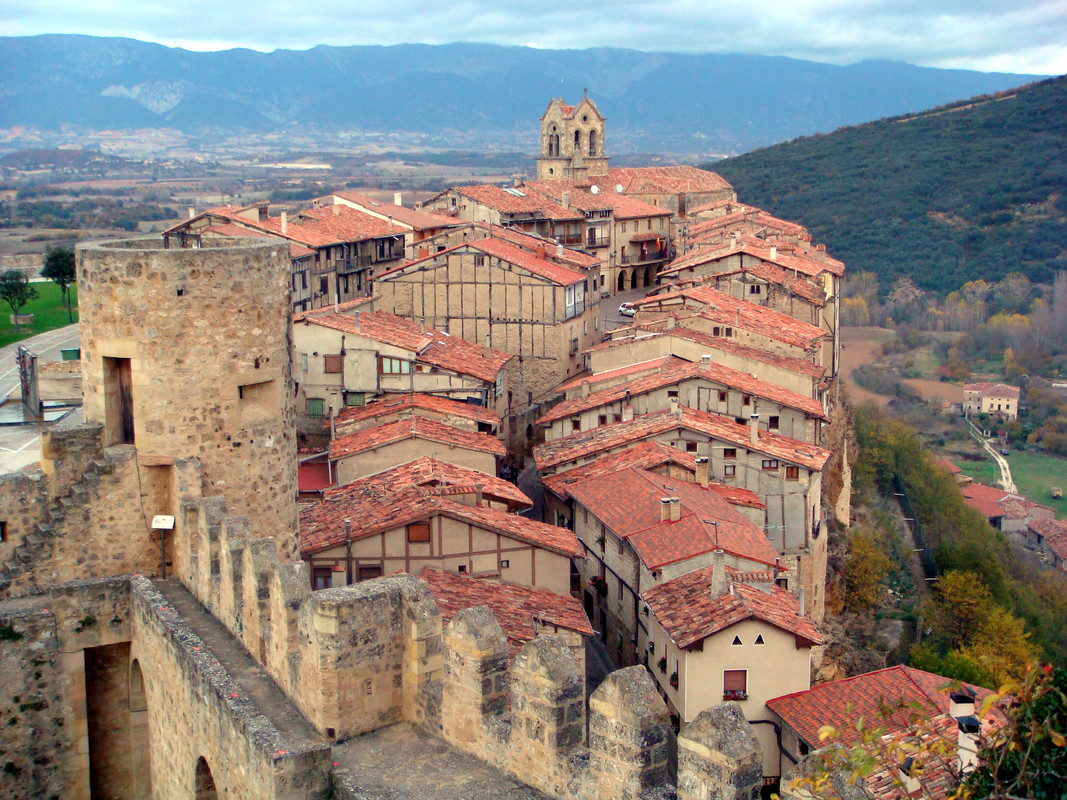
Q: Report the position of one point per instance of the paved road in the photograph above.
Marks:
(20, 445)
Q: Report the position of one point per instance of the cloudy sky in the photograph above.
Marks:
(1021, 36)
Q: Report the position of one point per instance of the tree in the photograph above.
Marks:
(59, 268)
(16, 291)
(865, 573)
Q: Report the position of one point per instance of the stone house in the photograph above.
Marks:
(495, 293)
(703, 385)
(995, 399)
(721, 315)
(345, 356)
(722, 635)
(456, 520)
(1049, 536)
(640, 529)
(628, 348)
(572, 141)
(1005, 511)
(349, 246)
(421, 228)
(718, 221)
(354, 455)
(395, 407)
(676, 188)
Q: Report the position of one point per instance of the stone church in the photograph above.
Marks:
(572, 142)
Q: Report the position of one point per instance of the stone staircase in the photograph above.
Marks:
(18, 570)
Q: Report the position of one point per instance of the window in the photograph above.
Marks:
(257, 402)
(369, 572)
(729, 470)
(315, 407)
(333, 364)
(715, 330)
(736, 641)
(729, 332)
(792, 473)
(722, 397)
(3, 531)
(479, 261)
(393, 366)
(729, 452)
(746, 400)
(735, 684)
(754, 288)
(690, 447)
(304, 361)
(462, 569)
(419, 532)
(616, 417)
(323, 578)
(505, 563)
(770, 463)
(602, 419)
(622, 227)
(354, 398)
(672, 394)
(772, 423)
(759, 639)
(576, 424)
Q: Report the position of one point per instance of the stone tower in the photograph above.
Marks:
(572, 142)
(185, 354)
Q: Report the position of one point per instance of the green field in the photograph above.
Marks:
(1035, 473)
(48, 311)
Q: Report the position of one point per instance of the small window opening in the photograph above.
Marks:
(759, 639)
(737, 640)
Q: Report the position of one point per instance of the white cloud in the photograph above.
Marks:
(1026, 36)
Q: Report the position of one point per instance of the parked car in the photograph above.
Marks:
(1005, 451)
(626, 309)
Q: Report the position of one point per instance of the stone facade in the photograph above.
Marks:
(572, 141)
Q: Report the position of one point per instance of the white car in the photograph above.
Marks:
(626, 309)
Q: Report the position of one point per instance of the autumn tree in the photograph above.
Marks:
(865, 573)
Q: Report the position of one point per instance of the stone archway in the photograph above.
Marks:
(648, 276)
(205, 781)
(622, 280)
(633, 279)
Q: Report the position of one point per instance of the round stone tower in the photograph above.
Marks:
(186, 353)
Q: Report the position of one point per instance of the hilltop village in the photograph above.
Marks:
(524, 491)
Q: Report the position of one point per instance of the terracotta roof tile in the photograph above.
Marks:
(516, 201)
(414, 428)
(542, 267)
(643, 455)
(689, 613)
(621, 206)
(744, 218)
(984, 499)
(802, 286)
(514, 607)
(410, 217)
(530, 242)
(630, 370)
(1000, 390)
(606, 438)
(628, 501)
(397, 403)
(673, 373)
(420, 491)
(653, 180)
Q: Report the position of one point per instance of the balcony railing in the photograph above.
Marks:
(649, 257)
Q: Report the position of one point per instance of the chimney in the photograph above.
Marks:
(960, 704)
(820, 247)
(753, 428)
(718, 573)
(540, 251)
(477, 491)
(705, 359)
(774, 252)
(424, 252)
(733, 240)
(664, 509)
(702, 471)
(670, 323)
(192, 212)
(674, 405)
(627, 413)
(487, 351)
(336, 210)
(801, 600)
(585, 388)
(398, 199)
(559, 250)
(676, 509)
(970, 728)
(566, 200)
(285, 223)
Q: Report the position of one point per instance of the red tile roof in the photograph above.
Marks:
(841, 703)
(729, 311)
(1000, 390)
(984, 499)
(745, 217)
(639, 368)
(531, 242)
(414, 428)
(430, 346)
(625, 336)
(643, 455)
(656, 180)
(1054, 532)
(606, 438)
(515, 607)
(689, 613)
(542, 267)
(628, 501)
(395, 403)
(786, 255)
(416, 492)
(516, 201)
(326, 311)
(313, 476)
(675, 372)
(621, 206)
(410, 217)
(802, 286)
(948, 466)
(736, 496)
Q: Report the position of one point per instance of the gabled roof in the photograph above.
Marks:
(423, 428)
(395, 403)
(630, 370)
(841, 703)
(409, 217)
(606, 438)
(628, 501)
(381, 502)
(1054, 532)
(999, 390)
(579, 197)
(784, 255)
(543, 267)
(530, 242)
(660, 180)
(690, 613)
(316, 227)
(515, 607)
(722, 308)
(430, 346)
(643, 455)
(675, 372)
(802, 286)
(749, 217)
(514, 200)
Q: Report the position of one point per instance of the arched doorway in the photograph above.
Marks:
(622, 279)
(633, 279)
(648, 276)
(205, 782)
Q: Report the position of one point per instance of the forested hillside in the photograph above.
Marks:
(973, 190)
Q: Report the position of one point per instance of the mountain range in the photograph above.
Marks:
(464, 95)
